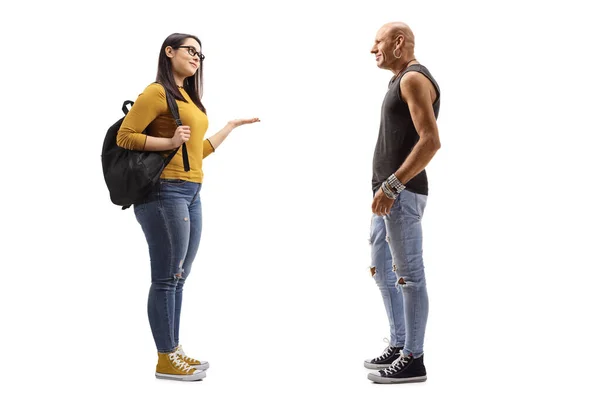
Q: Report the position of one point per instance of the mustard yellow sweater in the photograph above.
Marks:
(150, 112)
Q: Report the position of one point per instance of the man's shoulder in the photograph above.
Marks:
(413, 77)
(416, 81)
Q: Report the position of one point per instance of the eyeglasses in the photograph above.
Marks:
(192, 51)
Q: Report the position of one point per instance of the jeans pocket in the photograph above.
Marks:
(139, 210)
(408, 207)
(420, 200)
(396, 211)
(175, 182)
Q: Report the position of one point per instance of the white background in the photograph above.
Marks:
(280, 299)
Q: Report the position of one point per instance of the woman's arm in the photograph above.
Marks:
(149, 105)
(215, 140)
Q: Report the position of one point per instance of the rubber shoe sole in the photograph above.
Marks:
(380, 379)
(201, 367)
(194, 377)
(370, 365)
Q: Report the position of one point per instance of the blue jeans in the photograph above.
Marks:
(397, 265)
(171, 218)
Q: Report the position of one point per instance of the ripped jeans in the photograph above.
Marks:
(397, 267)
(171, 218)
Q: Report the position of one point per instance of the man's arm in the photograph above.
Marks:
(416, 92)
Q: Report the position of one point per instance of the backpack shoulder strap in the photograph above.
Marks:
(175, 113)
(125, 104)
(173, 107)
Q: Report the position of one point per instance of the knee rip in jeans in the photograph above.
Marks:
(401, 282)
(373, 271)
(179, 273)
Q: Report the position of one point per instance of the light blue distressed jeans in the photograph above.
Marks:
(397, 265)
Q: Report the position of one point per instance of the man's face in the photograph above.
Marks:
(383, 48)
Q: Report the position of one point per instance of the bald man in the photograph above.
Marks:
(408, 139)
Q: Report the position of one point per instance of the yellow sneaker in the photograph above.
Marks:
(171, 366)
(199, 365)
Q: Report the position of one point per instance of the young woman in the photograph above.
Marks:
(171, 216)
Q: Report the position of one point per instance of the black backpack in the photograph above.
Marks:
(130, 175)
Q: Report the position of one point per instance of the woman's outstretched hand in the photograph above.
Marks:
(239, 122)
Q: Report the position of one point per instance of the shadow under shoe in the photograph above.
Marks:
(171, 366)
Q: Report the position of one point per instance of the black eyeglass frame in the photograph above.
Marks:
(192, 51)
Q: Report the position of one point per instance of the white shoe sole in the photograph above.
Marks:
(369, 365)
(194, 377)
(380, 379)
(202, 367)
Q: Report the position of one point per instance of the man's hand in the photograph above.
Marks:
(381, 203)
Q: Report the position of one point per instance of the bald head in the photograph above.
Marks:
(394, 46)
(394, 30)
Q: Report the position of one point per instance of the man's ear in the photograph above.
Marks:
(399, 41)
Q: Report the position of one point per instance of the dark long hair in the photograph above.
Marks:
(192, 84)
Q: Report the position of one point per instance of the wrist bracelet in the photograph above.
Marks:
(389, 193)
(395, 184)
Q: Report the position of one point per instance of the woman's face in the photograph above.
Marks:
(184, 63)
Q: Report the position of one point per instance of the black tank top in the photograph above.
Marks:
(397, 135)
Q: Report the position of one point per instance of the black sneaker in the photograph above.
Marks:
(405, 369)
(390, 354)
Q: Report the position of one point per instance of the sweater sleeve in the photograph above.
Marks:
(207, 148)
(149, 105)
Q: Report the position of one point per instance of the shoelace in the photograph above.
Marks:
(386, 353)
(397, 365)
(185, 357)
(179, 363)
(188, 360)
